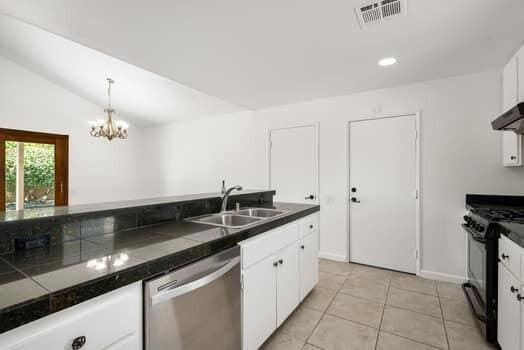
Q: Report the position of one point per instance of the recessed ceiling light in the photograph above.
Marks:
(387, 61)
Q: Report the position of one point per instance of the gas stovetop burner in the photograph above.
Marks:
(508, 215)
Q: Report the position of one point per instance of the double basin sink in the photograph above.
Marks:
(237, 219)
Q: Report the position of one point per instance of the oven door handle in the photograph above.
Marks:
(473, 235)
(465, 287)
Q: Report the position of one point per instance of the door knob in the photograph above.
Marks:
(353, 189)
(78, 343)
(355, 200)
(310, 197)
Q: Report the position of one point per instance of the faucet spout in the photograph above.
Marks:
(225, 198)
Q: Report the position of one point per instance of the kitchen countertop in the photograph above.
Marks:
(51, 212)
(514, 232)
(38, 282)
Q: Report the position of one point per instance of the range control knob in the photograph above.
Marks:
(481, 228)
(467, 219)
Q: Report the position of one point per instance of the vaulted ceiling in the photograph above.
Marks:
(256, 54)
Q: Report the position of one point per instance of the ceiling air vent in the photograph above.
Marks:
(378, 11)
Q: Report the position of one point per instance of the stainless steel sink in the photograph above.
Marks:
(237, 219)
(225, 220)
(259, 212)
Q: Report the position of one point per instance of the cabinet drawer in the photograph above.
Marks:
(111, 321)
(262, 246)
(308, 225)
(509, 255)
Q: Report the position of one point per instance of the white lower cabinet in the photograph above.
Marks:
(279, 268)
(510, 313)
(287, 282)
(109, 322)
(508, 326)
(308, 263)
(259, 302)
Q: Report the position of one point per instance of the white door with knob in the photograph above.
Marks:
(383, 192)
(293, 165)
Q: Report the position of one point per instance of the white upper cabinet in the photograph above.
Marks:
(512, 143)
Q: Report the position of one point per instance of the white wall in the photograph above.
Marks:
(98, 170)
(460, 154)
(193, 157)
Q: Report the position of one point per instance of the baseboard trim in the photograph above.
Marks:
(442, 276)
(331, 256)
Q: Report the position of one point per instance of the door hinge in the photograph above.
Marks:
(416, 253)
(241, 281)
(416, 194)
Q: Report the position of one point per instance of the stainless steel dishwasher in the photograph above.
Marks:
(196, 307)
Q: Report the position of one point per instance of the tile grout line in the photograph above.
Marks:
(412, 340)
(321, 316)
(443, 319)
(383, 311)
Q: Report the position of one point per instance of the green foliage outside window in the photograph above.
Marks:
(39, 165)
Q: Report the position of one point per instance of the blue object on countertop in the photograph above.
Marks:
(32, 242)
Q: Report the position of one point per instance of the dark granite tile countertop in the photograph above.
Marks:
(50, 212)
(38, 282)
(514, 232)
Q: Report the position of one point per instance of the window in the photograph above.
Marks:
(33, 169)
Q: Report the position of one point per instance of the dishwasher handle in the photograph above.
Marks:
(174, 292)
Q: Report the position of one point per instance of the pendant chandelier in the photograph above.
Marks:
(106, 127)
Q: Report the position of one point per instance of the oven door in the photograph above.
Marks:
(475, 289)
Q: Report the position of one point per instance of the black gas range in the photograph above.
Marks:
(483, 226)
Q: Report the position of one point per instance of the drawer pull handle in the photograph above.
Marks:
(513, 290)
(310, 226)
(78, 343)
(275, 264)
(302, 247)
(519, 297)
(281, 261)
(505, 256)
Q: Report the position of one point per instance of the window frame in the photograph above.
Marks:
(61, 143)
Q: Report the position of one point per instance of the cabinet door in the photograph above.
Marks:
(521, 319)
(508, 326)
(108, 322)
(287, 282)
(259, 297)
(512, 143)
(308, 263)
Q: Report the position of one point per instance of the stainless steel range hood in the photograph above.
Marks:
(512, 120)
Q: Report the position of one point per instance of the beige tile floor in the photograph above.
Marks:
(359, 307)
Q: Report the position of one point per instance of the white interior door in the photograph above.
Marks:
(294, 164)
(382, 160)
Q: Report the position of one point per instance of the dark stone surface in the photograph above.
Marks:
(515, 232)
(50, 212)
(77, 270)
(60, 224)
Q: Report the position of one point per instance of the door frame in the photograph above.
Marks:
(316, 125)
(418, 193)
(61, 143)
